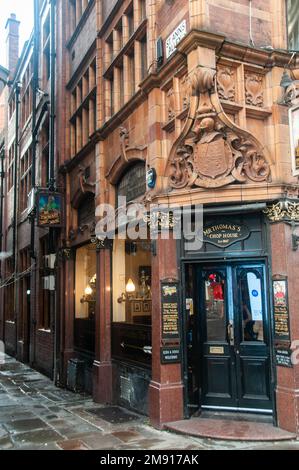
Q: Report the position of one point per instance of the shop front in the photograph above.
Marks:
(228, 339)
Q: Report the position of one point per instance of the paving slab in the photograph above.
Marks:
(35, 415)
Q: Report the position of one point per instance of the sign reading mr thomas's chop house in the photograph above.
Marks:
(225, 234)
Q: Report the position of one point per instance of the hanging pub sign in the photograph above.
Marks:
(281, 310)
(294, 135)
(49, 209)
(170, 310)
(225, 234)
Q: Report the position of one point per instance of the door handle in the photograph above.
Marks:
(230, 333)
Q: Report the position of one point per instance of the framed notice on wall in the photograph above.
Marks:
(281, 310)
(170, 310)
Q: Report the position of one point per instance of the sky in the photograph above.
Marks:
(24, 11)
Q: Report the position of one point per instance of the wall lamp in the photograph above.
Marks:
(130, 289)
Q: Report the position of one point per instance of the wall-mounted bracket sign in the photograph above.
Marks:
(225, 234)
(170, 310)
(49, 209)
(171, 355)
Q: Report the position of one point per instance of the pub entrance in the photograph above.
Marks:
(228, 346)
(234, 351)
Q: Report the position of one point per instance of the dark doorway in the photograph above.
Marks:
(231, 324)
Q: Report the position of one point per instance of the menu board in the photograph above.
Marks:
(281, 310)
(170, 310)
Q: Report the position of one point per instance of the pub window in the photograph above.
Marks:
(132, 294)
(293, 25)
(85, 298)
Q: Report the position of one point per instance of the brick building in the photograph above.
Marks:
(27, 324)
(198, 101)
(166, 103)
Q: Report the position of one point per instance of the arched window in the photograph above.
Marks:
(132, 184)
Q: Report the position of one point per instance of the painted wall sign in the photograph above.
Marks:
(176, 36)
(294, 135)
(281, 310)
(225, 234)
(171, 355)
(49, 209)
(170, 310)
(283, 357)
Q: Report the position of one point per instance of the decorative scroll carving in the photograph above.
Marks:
(254, 89)
(212, 151)
(170, 103)
(292, 93)
(185, 92)
(283, 211)
(129, 152)
(85, 185)
(226, 83)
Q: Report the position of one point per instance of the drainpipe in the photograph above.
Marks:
(34, 130)
(52, 186)
(32, 315)
(2, 156)
(15, 214)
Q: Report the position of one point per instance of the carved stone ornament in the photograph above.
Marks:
(128, 154)
(170, 103)
(292, 93)
(212, 151)
(185, 92)
(283, 211)
(226, 83)
(254, 89)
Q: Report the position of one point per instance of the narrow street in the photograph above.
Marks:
(34, 414)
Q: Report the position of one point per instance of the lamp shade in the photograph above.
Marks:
(130, 287)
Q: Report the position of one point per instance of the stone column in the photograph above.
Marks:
(166, 388)
(285, 262)
(102, 367)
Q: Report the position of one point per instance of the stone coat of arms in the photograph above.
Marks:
(212, 151)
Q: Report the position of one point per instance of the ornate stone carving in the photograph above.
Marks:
(127, 151)
(212, 151)
(291, 96)
(85, 185)
(226, 83)
(170, 104)
(185, 92)
(254, 89)
(283, 211)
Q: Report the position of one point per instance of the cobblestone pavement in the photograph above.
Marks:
(34, 414)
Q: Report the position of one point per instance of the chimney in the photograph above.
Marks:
(12, 43)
